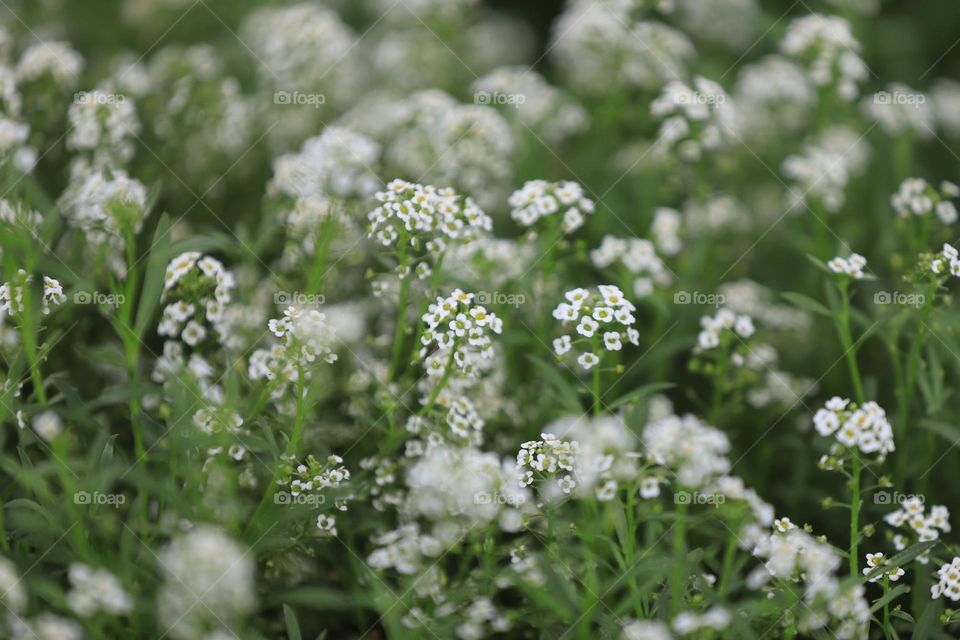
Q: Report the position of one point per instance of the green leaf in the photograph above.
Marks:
(890, 595)
(153, 279)
(293, 627)
(806, 303)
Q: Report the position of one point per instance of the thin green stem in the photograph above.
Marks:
(679, 558)
(855, 515)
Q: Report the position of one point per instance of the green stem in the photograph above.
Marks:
(679, 559)
(846, 340)
(855, 516)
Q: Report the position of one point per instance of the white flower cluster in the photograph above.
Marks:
(53, 57)
(13, 595)
(826, 44)
(413, 213)
(825, 167)
(549, 457)
(795, 555)
(851, 266)
(539, 199)
(948, 258)
(199, 102)
(926, 527)
(917, 197)
(753, 299)
(604, 455)
(534, 103)
(694, 119)
(202, 288)
(599, 44)
(460, 331)
(468, 147)
(716, 618)
(303, 46)
(639, 258)
(645, 630)
(865, 427)
(876, 560)
(107, 210)
(96, 590)
(11, 294)
(723, 323)
(466, 487)
(338, 162)
(773, 98)
(949, 581)
(404, 548)
(604, 319)
(208, 584)
(305, 337)
(103, 123)
(901, 110)
(692, 449)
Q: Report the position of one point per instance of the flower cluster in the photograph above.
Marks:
(638, 257)
(947, 260)
(539, 199)
(460, 331)
(597, 43)
(901, 110)
(337, 163)
(549, 457)
(825, 167)
(949, 581)
(108, 210)
(724, 323)
(604, 319)
(692, 449)
(208, 583)
(532, 102)
(917, 197)
(694, 119)
(103, 123)
(795, 555)
(97, 590)
(878, 560)
(851, 266)
(925, 527)
(305, 336)
(826, 44)
(865, 428)
(202, 288)
(12, 292)
(413, 214)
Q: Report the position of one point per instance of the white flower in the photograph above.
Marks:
(611, 340)
(649, 488)
(561, 345)
(539, 199)
(588, 360)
